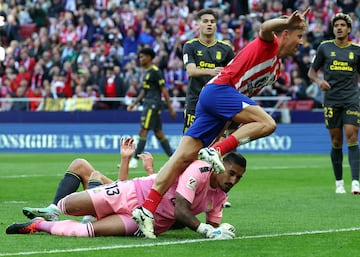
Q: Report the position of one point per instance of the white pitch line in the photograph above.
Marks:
(110, 247)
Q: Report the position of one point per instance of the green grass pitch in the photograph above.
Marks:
(284, 206)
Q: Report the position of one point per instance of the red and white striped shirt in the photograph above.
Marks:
(253, 68)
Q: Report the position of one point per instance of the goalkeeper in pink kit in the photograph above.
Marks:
(198, 190)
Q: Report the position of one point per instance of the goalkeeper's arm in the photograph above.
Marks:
(184, 215)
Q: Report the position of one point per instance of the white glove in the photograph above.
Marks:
(228, 226)
(204, 229)
(224, 231)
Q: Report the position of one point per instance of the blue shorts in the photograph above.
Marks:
(217, 104)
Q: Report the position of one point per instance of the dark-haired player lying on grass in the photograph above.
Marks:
(197, 190)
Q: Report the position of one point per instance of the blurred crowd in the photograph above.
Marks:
(88, 48)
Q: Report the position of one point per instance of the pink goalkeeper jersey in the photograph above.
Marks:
(254, 67)
(193, 185)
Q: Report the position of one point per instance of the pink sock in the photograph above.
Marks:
(227, 145)
(67, 228)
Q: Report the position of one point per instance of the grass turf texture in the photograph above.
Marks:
(284, 206)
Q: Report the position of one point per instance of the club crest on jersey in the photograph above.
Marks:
(332, 54)
(218, 55)
(199, 53)
(209, 206)
(191, 183)
(351, 56)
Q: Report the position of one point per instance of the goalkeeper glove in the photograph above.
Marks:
(224, 231)
(204, 229)
(228, 226)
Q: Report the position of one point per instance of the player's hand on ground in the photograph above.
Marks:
(148, 162)
(224, 231)
(228, 226)
(127, 147)
(205, 229)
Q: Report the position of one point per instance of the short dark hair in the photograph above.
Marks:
(236, 158)
(342, 16)
(147, 51)
(207, 11)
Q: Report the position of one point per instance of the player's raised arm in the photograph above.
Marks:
(148, 162)
(276, 25)
(127, 149)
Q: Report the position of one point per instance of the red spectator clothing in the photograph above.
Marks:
(239, 41)
(62, 36)
(107, 47)
(66, 36)
(31, 94)
(36, 80)
(15, 83)
(68, 85)
(181, 25)
(71, 36)
(286, 77)
(29, 64)
(131, 94)
(13, 86)
(57, 87)
(129, 21)
(110, 87)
